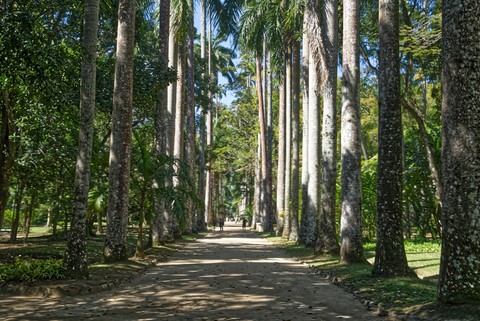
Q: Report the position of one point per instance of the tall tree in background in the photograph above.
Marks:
(459, 277)
(390, 257)
(76, 255)
(115, 248)
(160, 218)
(351, 249)
(294, 226)
(327, 241)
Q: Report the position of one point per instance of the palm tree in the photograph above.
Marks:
(459, 278)
(115, 248)
(351, 250)
(159, 228)
(76, 255)
(327, 238)
(390, 257)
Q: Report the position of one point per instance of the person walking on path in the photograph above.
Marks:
(221, 223)
(244, 223)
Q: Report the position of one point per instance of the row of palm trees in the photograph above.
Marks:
(280, 22)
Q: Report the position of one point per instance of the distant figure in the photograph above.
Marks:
(221, 223)
(214, 223)
(244, 223)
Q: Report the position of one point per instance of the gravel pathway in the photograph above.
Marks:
(228, 275)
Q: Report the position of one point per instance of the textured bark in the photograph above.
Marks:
(460, 261)
(316, 39)
(190, 142)
(309, 228)
(294, 228)
(159, 224)
(266, 168)
(390, 258)
(179, 135)
(305, 138)
(168, 231)
(288, 145)
(327, 241)
(75, 260)
(351, 249)
(120, 142)
(281, 156)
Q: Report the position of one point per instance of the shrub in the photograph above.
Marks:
(30, 270)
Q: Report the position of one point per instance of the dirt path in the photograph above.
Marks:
(229, 275)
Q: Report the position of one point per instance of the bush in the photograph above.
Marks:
(30, 270)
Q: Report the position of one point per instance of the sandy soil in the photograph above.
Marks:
(228, 275)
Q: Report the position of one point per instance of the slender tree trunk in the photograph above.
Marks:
(351, 250)
(305, 138)
(196, 223)
(257, 197)
(202, 125)
(120, 142)
(459, 277)
(311, 217)
(281, 155)
(327, 241)
(168, 232)
(16, 217)
(266, 168)
(75, 260)
(294, 228)
(7, 151)
(288, 138)
(139, 252)
(179, 136)
(390, 258)
(159, 225)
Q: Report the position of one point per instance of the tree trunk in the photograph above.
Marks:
(16, 217)
(305, 138)
(281, 155)
(75, 261)
(288, 138)
(266, 168)
(293, 235)
(327, 241)
(196, 223)
(178, 146)
(390, 258)
(459, 277)
(7, 152)
(159, 223)
(139, 252)
(351, 250)
(120, 142)
(310, 218)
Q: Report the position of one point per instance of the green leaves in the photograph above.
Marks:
(31, 270)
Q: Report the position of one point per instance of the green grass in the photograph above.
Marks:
(399, 294)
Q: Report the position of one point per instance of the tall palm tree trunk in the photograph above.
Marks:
(293, 235)
(159, 225)
(459, 277)
(305, 138)
(120, 142)
(351, 250)
(390, 257)
(75, 260)
(288, 138)
(281, 155)
(266, 174)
